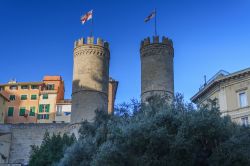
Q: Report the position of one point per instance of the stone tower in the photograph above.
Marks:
(157, 76)
(90, 79)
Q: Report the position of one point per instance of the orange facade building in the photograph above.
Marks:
(42, 102)
(32, 102)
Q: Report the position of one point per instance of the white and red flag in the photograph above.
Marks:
(152, 15)
(87, 16)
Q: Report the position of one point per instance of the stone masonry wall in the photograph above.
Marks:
(157, 75)
(90, 79)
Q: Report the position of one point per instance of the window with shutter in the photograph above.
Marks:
(41, 108)
(47, 107)
(23, 97)
(10, 111)
(33, 97)
(22, 111)
(32, 111)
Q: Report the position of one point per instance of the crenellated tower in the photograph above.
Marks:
(90, 78)
(157, 75)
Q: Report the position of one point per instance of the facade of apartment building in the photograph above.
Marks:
(42, 102)
(232, 94)
(3, 103)
(32, 102)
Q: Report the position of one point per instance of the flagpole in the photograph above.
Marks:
(155, 24)
(92, 26)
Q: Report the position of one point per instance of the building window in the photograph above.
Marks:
(10, 111)
(50, 87)
(243, 99)
(23, 97)
(33, 97)
(22, 111)
(24, 87)
(244, 121)
(34, 87)
(45, 96)
(43, 116)
(44, 107)
(12, 97)
(59, 110)
(13, 87)
(1, 88)
(32, 111)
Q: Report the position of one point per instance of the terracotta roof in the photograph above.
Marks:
(218, 79)
(52, 78)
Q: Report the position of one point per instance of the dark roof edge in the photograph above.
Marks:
(213, 82)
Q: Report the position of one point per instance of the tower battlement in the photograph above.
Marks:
(156, 40)
(91, 41)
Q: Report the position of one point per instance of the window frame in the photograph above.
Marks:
(12, 99)
(31, 97)
(32, 86)
(44, 96)
(31, 113)
(11, 87)
(24, 95)
(240, 99)
(22, 109)
(25, 86)
(244, 121)
(8, 114)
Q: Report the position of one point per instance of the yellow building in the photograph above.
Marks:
(232, 93)
(3, 101)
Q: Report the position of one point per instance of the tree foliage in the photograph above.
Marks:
(51, 149)
(159, 134)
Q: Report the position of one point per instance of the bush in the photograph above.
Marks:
(51, 149)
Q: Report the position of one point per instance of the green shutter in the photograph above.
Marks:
(23, 97)
(47, 116)
(22, 111)
(12, 97)
(45, 96)
(10, 111)
(32, 111)
(47, 106)
(41, 108)
(33, 97)
(38, 116)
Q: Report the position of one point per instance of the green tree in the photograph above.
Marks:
(159, 134)
(51, 149)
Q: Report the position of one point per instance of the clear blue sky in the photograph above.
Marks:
(37, 36)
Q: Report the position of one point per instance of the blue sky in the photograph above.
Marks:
(37, 36)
